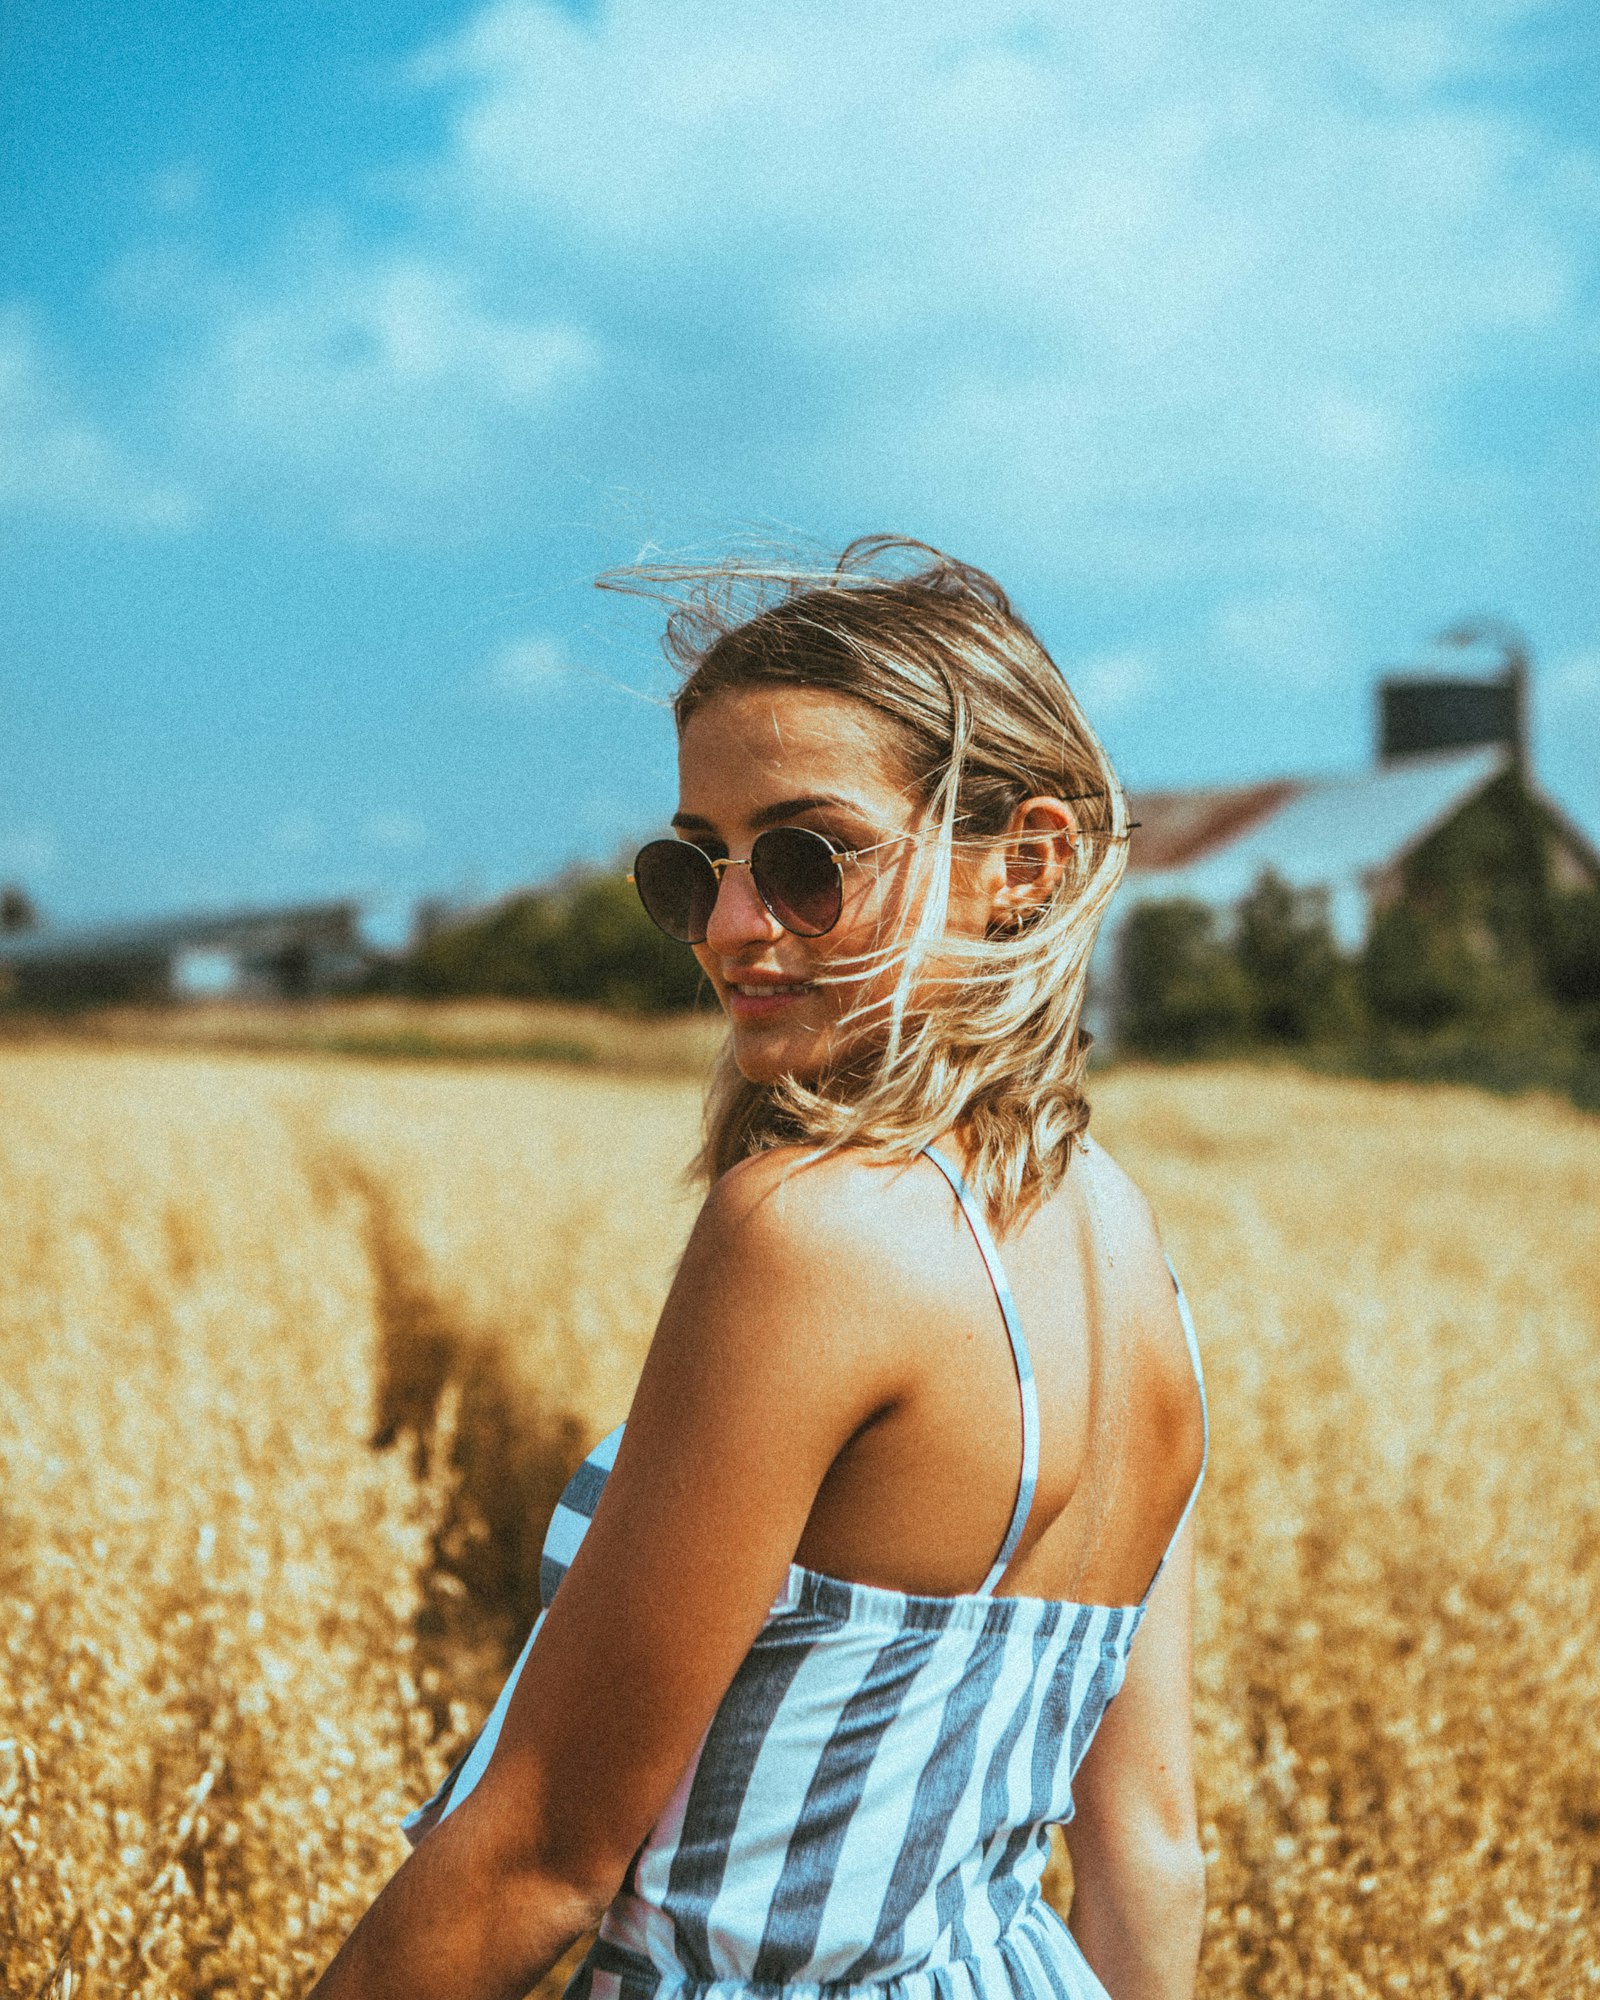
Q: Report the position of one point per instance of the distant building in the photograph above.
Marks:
(238, 954)
(1443, 743)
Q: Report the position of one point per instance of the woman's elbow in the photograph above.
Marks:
(558, 1906)
(525, 1862)
(1143, 1859)
(1173, 1864)
(1181, 1868)
(1138, 1911)
(576, 1888)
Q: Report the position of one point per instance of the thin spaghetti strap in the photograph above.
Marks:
(1028, 1478)
(1205, 1432)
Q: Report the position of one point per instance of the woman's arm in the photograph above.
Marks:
(468, 1914)
(1138, 1901)
(757, 1376)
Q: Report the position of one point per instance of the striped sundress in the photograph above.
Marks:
(870, 1807)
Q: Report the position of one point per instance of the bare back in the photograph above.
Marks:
(842, 1372)
(919, 1498)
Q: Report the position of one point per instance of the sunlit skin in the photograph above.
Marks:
(786, 756)
(829, 1382)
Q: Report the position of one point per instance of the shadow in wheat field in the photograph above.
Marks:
(509, 1459)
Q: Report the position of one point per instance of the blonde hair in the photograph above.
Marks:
(984, 720)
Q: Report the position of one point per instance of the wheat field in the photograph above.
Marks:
(295, 1353)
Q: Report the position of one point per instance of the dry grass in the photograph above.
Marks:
(1398, 1293)
(208, 1581)
(498, 1031)
(238, 1631)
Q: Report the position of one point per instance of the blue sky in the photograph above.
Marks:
(340, 348)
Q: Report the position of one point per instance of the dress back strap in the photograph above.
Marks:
(1028, 1479)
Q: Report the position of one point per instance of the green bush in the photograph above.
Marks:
(1477, 973)
(585, 940)
(1301, 990)
(1183, 991)
(1573, 959)
(1417, 972)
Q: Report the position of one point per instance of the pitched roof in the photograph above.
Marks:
(1176, 828)
(1312, 833)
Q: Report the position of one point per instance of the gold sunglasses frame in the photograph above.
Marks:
(720, 865)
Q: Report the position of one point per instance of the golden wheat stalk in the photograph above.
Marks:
(67, 1978)
(234, 1289)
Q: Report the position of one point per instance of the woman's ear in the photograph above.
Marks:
(1039, 843)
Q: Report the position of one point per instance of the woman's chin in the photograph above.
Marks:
(769, 1052)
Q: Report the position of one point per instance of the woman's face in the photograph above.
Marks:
(758, 757)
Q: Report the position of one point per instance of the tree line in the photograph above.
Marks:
(584, 938)
(1475, 967)
(1435, 993)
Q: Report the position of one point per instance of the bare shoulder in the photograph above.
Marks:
(1125, 1217)
(851, 1212)
(842, 1258)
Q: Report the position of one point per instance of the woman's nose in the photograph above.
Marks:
(739, 917)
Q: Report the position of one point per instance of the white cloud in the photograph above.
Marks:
(1575, 680)
(27, 851)
(1132, 290)
(366, 335)
(296, 833)
(525, 668)
(1133, 257)
(178, 190)
(1110, 684)
(54, 460)
(395, 832)
(1354, 429)
(1286, 636)
(382, 381)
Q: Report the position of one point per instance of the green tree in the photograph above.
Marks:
(1418, 972)
(586, 939)
(606, 950)
(1183, 993)
(1300, 989)
(17, 912)
(1572, 966)
(1485, 873)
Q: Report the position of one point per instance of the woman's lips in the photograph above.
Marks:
(760, 1000)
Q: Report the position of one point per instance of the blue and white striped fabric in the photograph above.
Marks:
(871, 1804)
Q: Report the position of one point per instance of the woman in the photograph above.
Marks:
(824, 1665)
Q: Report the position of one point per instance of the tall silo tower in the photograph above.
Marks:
(1422, 710)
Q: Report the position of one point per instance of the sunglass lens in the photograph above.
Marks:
(798, 879)
(678, 887)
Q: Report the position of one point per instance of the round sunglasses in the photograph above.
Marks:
(798, 874)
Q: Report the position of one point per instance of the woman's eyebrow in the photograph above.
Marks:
(773, 815)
